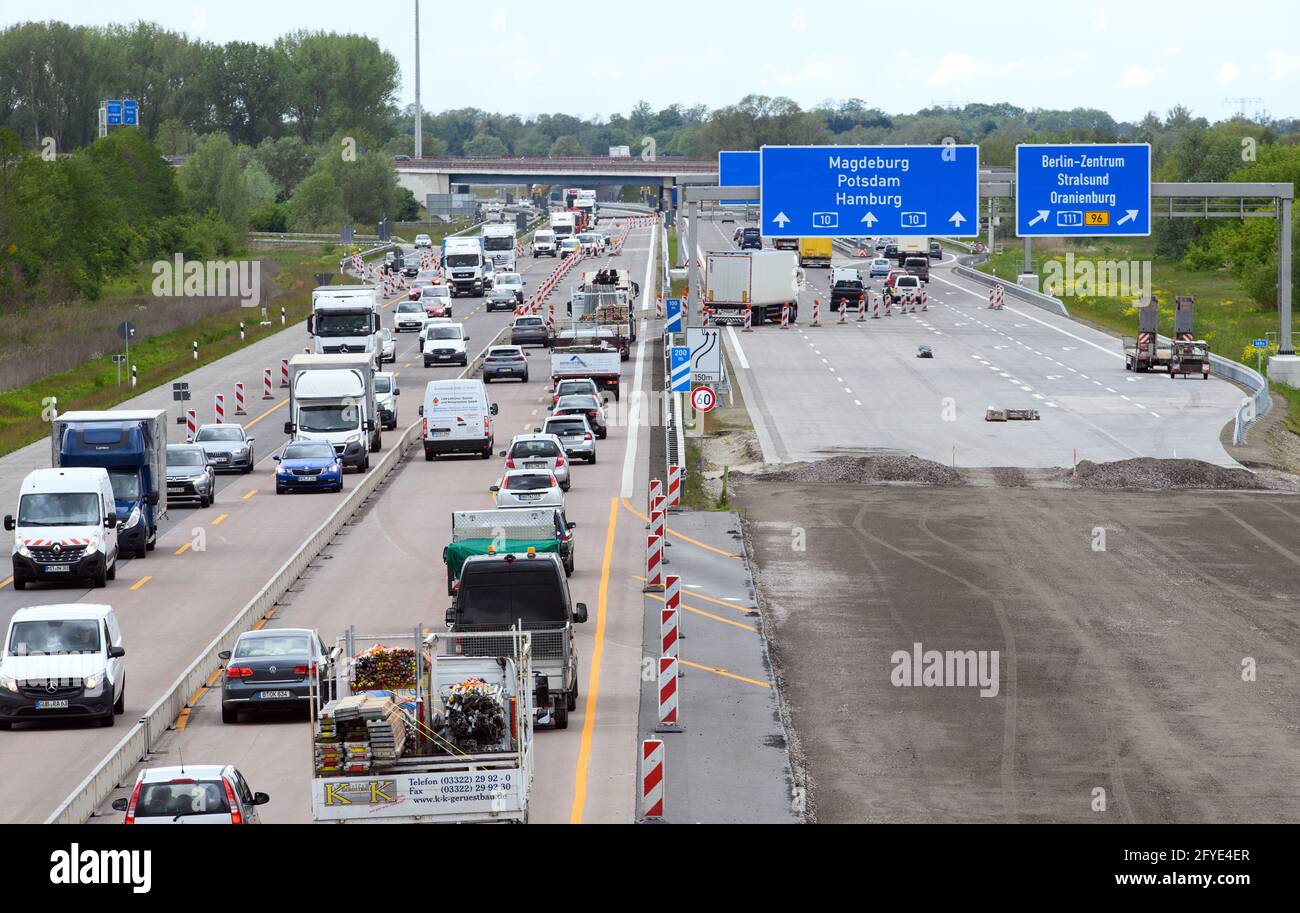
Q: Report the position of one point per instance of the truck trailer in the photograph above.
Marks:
(761, 281)
(332, 398)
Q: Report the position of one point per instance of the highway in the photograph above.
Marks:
(1020, 357)
(390, 578)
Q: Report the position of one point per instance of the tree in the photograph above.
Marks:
(485, 145)
(259, 184)
(337, 81)
(287, 160)
(567, 146)
(175, 137)
(212, 181)
(317, 203)
(248, 85)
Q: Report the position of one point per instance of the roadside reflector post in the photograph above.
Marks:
(284, 317)
(669, 708)
(266, 384)
(239, 399)
(652, 780)
(654, 555)
(196, 350)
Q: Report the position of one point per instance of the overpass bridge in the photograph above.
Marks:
(436, 175)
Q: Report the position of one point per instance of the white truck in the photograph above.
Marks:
(345, 320)
(469, 758)
(600, 362)
(761, 280)
(564, 224)
(465, 266)
(913, 247)
(332, 398)
(499, 245)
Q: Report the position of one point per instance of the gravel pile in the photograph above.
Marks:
(866, 470)
(1147, 473)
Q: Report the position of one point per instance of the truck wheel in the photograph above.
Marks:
(560, 713)
(100, 580)
(20, 584)
(428, 456)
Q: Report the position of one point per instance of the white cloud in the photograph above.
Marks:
(1281, 65)
(1135, 76)
(956, 68)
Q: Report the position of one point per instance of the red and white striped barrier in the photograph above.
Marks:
(654, 560)
(862, 308)
(550, 315)
(656, 493)
(668, 632)
(652, 780)
(862, 251)
(817, 312)
(996, 296)
(284, 372)
(266, 384)
(659, 307)
(673, 602)
(925, 305)
(749, 319)
(674, 487)
(707, 313)
(785, 315)
(219, 407)
(843, 310)
(670, 712)
(657, 519)
(191, 425)
(239, 399)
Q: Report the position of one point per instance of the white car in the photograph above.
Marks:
(444, 343)
(408, 316)
(387, 346)
(528, 488)
(423, 241)
(539, 451)
(514, 282)
(192, 794)
(431, 322)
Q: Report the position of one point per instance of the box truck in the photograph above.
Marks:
(736, 281)
(332, 398)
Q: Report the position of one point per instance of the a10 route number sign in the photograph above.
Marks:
(704, 399)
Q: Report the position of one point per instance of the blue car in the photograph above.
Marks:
(308, 466)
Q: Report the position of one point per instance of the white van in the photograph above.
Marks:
(544, 244)
(457, 418)
(66, 527)
(62, 662)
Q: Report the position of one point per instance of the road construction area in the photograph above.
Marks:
(995, 650)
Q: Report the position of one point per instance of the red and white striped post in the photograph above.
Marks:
(785, 315)
(652, 780)
(658, 519)
(843, 311)
(925, 305)
(654, 559)
(674, 488)
(219, 407)
(673, 602)
(659, 307)
(191, 425)
(551, 315)
(817, 312)
(707, 313)
(669, 708)
(1001, 293)
(668, 632)
(862, 308)
(239, 399)
(284, 372)
(266, 384)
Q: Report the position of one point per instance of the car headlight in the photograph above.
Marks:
(91, 549)
(24, 551)
(240, 451)
(93, 684)
(134, 518)
(353, 439)
(9, 682)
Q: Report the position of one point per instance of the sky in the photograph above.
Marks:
(527, 58)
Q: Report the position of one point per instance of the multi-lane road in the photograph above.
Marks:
(384, 574)
(860, 388)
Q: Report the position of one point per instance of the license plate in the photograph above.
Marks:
(535, 466)
(222, 459)
(271, 695)
(441, 432)
(51, 705)
(529, 497)
(57, 568)
(506, 370)
(174, 489)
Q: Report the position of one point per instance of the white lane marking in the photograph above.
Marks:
(740, 352)
(634, 413)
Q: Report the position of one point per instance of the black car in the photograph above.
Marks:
(392, 262)
(272, 669)
(751, 239)
(411, 265)
(501, 299)
(936, 251)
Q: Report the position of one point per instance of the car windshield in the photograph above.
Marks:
(317, 450)
(126, 484)
(509, 279)
(566, 427)
(383, 384)
(577, 402)
(411, 262)
(528, 322)
(444, 333)
(534, 449)
(324, 419)
(272, 645)
(498, 596)
(54, 637)
(462, 260)
(219, 434)
(185, 458)
(534, 481)
(342, 324)
(409, 307)
(65, 508)
(182, 797)
(506, 243)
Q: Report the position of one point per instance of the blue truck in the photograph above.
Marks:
(132, 446)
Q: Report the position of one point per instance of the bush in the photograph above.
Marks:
(269, 217)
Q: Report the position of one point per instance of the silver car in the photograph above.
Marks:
(575, 434)
(190, 476)
(387, 346)
(539, 451)
(228, 446)
(528, 488)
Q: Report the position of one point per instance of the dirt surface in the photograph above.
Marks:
(1121, 621)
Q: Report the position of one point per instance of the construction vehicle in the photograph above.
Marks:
(1147, 352)
(445, 734)
(498, 531)
(601, 308)
(815, 252)
(1188, 356)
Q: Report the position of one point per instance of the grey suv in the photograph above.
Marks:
(530, 330)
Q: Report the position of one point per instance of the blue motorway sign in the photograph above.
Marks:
(673, 315)
(1083, 190)
(851, 191)
(1259, 343)
(130, 113)
(680, 376)
(738, 169)
(114, 109)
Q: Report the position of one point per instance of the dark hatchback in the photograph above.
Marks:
(272, 669)
(751, 239)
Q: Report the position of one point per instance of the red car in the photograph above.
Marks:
(893, 277)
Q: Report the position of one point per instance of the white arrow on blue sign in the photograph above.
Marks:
(673, 315)
(849, 191)
(1083, 190)
(680, 377)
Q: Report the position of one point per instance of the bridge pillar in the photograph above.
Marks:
(422, 183)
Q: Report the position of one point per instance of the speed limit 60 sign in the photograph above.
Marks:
(703, 399)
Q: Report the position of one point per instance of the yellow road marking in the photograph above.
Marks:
(725, 674)
(725, 621)
(283, 402)
(694, 595)
(141, 582)
(684, 538)
(407, 365)
(593, 676)
(184, 548)
(249, 495)
(220, 520)
(4, 583)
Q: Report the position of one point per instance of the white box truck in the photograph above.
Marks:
(332, 398)
(763, 280)
(499, 245)
(564, 225)
(345, 320)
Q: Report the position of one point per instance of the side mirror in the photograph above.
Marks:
(121, 805)
(151, 498)
(580, 613)
(421, 412)
(224, 654)
(495, 489)
(288, 428)
(276, 457)
(450, 617)
(535, 431)
(116, 652)
(493, 410)
(503, 453)
(397, 393)
(370, 425)
(261, 798)
(573, 526)
(110, 522)
(249, 440)
(9, 522)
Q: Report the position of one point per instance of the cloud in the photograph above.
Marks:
(1281, 65)
(956, 68)
(1135, 76)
